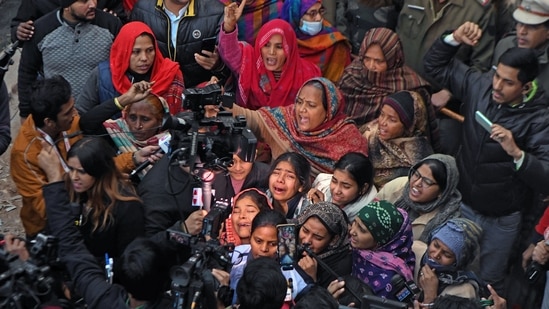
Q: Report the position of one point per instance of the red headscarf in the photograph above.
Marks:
(164, 71)
(257, 85)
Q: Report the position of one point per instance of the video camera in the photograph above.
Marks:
(28, 284)
(5, 58)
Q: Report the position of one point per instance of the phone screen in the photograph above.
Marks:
(208, 44)
(287, 245)
(483, 121)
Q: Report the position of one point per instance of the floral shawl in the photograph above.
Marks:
(329, 48)
(364, 90)
(377, 267)
(254, 16)
(393, 158)
(164, 72)
(324, 146)
(447, 203)
(257, 86)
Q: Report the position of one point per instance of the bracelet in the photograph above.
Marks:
(117, 103)
(134, 158)
(424, 305)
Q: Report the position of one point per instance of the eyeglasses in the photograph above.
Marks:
(424, 180)
(313, 13)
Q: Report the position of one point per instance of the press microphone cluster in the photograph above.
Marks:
(164, 143)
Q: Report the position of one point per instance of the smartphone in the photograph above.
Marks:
(483, 121)
(208, 44)
(287, 245)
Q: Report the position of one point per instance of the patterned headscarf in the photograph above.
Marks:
(393, 158)
(365, 90)
(447, 203)
(382, 219)
(376, 267)
(257, 86)
(335, 221)
(318, 145)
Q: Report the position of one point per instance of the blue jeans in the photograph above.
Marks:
(498, 236)
(545, 303)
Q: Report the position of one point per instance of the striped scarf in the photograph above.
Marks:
(365, 90)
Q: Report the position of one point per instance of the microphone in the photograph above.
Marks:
(164, 143)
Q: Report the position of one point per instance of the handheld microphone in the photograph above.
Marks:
(164, 143)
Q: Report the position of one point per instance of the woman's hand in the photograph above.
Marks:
(315, 195)
(136, 93)
(233, 12)
(48, 160)
(309, 265)
(221, 276)
(149, 153)
(428, 281)
(499, 302)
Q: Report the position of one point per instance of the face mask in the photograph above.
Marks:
(311, 27)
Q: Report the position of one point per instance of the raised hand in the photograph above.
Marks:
(468, 33)
(233, 12)
(25, 30)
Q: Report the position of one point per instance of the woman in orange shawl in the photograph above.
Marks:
(318, 41)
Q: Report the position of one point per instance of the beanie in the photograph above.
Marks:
(382, 219)
(67, 3)
(452, 235)
(403, 103)
(462, 236)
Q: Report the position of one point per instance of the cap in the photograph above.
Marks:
(66, 3)
(532, 12)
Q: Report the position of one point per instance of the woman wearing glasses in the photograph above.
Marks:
(429, 194)
(399, 137)
(318, 41)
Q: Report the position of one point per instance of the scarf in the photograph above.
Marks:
(365, 90)
(447, 203)
(377, 267)
(393, 158)
(323, 146)
(255, 15)
(335, 221)
(257, 86)
(164, 72)
(329, 48)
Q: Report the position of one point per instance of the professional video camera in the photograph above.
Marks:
(28, 284)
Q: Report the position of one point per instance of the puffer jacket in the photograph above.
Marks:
(201, 20)
(489, 180)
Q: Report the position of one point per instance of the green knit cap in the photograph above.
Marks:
(382, 219)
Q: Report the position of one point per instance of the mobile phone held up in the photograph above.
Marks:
(483, 121)
(208, 44)
(287, 245)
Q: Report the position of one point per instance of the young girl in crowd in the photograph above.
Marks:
(381, 238)
(269, 74)
(429, 194)
(289, 181)
(398, 138)
(350, 187)
(444, 266)
(324, 228)
(318, 41)
(111, 214)
(247, 204)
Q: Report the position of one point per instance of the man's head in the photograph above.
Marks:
(75, 11)
(532, 17)
(52, 105)
(262, 285)
(516, 70)
(143, 269)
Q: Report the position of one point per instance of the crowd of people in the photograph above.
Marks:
(358, 151)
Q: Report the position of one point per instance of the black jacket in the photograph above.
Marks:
(489, 181)
(201, 20)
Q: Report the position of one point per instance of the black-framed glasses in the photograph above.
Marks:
(313, 13)
(426, 182)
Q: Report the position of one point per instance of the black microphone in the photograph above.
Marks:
(164, 143)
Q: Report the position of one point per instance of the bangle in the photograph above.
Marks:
(134, 158)
(117, 103)
(424, 305)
